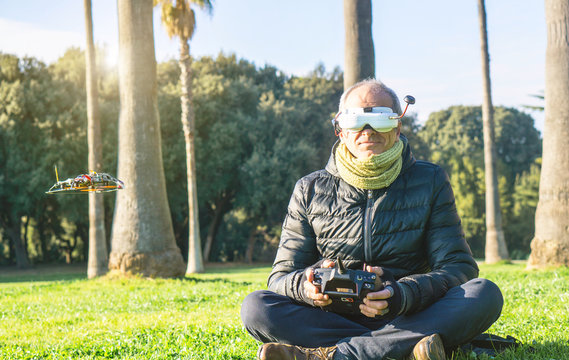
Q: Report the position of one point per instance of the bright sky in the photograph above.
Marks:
(429, 49)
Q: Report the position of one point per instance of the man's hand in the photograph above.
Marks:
(312, 291)
(375, 303)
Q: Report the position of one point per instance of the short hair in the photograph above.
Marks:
(375, 86)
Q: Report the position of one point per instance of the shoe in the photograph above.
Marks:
(429, 348)
(276, 351)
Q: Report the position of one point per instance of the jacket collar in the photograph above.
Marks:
(407, 155)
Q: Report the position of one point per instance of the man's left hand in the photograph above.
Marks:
(377, 303)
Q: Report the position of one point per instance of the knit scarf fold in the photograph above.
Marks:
(376, 172)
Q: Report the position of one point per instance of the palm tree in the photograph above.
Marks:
(179, 19)
(496, 249)
(98, 260)
(142, 236)
(550, 245)
(359, 56)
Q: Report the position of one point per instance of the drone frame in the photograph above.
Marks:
(97, 182)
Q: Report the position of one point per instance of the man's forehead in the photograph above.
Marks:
(366, 96)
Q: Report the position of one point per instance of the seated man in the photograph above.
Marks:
(375, 208)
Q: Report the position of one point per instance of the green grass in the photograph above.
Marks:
(51, 314)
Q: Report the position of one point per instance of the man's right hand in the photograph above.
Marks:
(312, 291)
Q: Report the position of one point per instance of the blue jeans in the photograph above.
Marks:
(463, 313)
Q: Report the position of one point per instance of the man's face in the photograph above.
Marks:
(368, 142)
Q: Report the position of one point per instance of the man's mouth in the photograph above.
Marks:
(367, 141)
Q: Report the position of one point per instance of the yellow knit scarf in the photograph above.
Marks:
(376, 172)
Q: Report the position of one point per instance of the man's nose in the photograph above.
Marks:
(368, 130)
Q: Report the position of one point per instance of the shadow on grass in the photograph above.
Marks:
(547, 350)
(215, 272)
(216, 280)
(51, 272)
(539, 351)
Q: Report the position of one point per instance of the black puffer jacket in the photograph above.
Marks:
(410, 228)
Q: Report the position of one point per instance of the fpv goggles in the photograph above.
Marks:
(381, 119)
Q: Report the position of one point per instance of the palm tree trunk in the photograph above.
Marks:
(496, 249)
(359, 55)
(97, 263)
(550, 245)
(195, 261)
(142, 236)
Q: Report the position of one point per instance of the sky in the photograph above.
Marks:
(428, 49)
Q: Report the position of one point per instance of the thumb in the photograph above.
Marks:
(310, 275)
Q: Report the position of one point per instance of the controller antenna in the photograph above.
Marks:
(341, 268)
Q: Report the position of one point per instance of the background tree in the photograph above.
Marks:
(550, 246)
(496, 248)
(98, 259)
(455, 140)
(179, 20)
(302, 145)
(525, 195)
(142, 237)
(359, 55)
(42, 123)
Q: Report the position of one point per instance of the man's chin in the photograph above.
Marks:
(368, 151)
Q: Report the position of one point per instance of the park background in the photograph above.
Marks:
(264, 93)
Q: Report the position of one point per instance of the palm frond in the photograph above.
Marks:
(178, 16)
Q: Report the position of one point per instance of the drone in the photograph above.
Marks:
(97, 182)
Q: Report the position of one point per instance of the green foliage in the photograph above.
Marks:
(410, 128)
(455, 140)
(521, 226)
(257, 132)
(42, 125)
(48, 315)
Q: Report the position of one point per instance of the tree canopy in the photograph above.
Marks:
(257, 131)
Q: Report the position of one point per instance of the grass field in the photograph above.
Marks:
(56, 313)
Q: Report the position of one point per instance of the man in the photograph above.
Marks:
(374, 204)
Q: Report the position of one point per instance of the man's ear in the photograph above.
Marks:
(398, 128)
(341, 136)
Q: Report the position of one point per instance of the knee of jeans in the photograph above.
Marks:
(491, 294)
(252, 307)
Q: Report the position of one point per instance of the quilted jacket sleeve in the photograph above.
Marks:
(297, 248)
(449, 256)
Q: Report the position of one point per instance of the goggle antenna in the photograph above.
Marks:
(410, 100)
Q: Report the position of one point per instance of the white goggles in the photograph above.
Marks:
(381, 119)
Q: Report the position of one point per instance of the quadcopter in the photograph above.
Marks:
(98, 182)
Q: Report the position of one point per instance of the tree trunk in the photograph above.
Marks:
(550, 245)
(195, 261)
(45, 255)
(359, 56)
(251, 244)
(496, 249)
(25, 239)
(97, 263)
(13, 230)
(142, 236)
(221, 206)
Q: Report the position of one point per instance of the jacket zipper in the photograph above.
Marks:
(367, 227)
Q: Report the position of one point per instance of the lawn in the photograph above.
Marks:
(52, 313)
